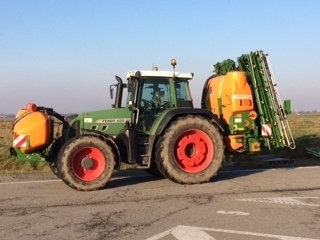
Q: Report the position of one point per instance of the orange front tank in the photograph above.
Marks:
(36, 126)
(234, 93)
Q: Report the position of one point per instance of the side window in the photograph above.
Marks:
(147, 91)
(182, 91)
(161, 92)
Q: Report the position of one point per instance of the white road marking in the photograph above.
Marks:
(233, 213)
(267, 169)
(282, 200)
(180, 233)
(186, 231)
(28, 182)
(309, 167)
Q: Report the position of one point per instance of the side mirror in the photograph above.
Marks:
(111, 91)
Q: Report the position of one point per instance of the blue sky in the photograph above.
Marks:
(65, 53)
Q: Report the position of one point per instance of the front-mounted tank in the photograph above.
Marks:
(32, 129)
(36, 133)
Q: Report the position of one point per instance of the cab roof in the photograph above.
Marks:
(152, 73)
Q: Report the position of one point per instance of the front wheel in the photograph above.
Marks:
(53, 155)
(54, 169)
(86, 163)
(191, 150)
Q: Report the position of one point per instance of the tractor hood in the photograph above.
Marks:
(110, 121)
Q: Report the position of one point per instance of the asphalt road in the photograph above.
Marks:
(247, 204)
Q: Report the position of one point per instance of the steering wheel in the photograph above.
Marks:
(147, 104)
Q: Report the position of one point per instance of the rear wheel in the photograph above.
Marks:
(86, 163)
(191, 151)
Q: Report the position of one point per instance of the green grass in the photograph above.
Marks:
(305, 130)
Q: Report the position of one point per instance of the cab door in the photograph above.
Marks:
(154, 98)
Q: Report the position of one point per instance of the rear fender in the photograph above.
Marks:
(178, 112)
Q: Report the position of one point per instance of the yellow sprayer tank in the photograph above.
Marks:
(233, 90)
(32, 130)
(228, 96)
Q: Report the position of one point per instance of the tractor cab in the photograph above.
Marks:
(152, 93)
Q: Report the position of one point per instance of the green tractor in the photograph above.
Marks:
(159, 130)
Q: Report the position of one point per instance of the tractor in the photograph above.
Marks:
(158, 129)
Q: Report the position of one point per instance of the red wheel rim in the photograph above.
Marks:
(194, 151)
(97, 164)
